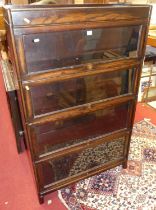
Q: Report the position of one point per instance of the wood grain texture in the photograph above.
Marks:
(75, 72)
(19, 30)
(74, 14)
(27, 21)
(92, 142)
(80, 110)
(2, 27)
(72, 180)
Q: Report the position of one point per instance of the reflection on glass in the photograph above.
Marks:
(64, 94)
(73, 164)
(63, 133)
(68, 48)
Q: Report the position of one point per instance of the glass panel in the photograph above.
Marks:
(75, 163)
(64, 94)
(68, 48)
(63, 133)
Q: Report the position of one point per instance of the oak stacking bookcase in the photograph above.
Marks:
(77, 70)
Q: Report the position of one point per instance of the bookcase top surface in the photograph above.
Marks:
(87, 6)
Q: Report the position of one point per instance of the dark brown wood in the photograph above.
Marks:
(80, 161)
(124, 165)
(73, 179)
(86, 25)
(79, 110)
(21, 15)
(16, 119)
(78, 69)
(143, 41)
(10, 85)
(13, 104)
(65, 94)
(79, 146)
(41, 199)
